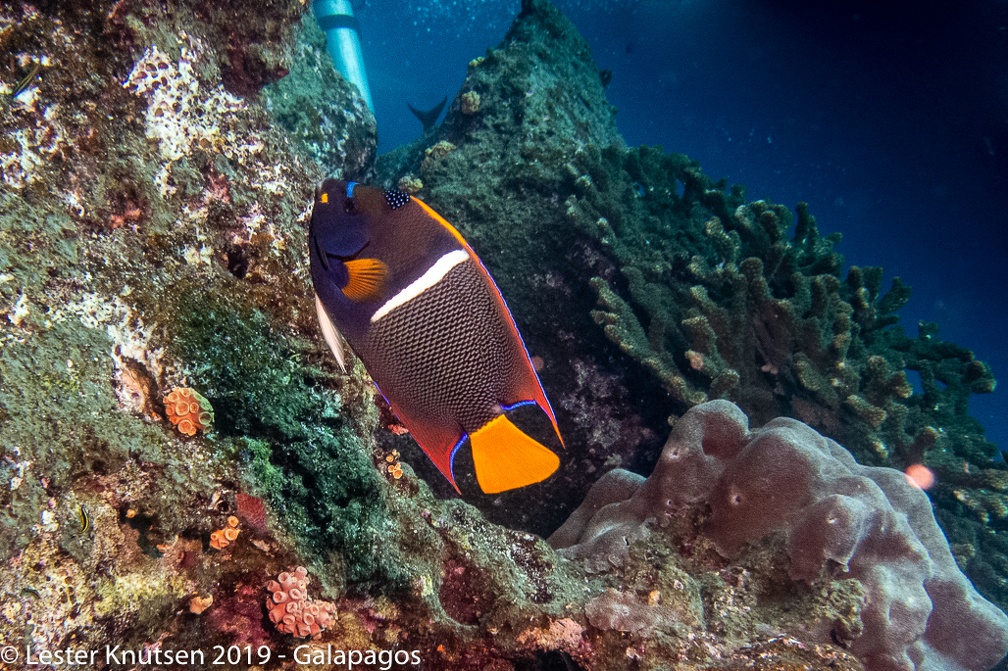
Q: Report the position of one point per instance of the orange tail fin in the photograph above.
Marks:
(506, 458)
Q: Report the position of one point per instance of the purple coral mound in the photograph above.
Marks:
(292, 610)
(838, 518)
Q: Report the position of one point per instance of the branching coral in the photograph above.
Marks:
(716, 300)
(292, 610)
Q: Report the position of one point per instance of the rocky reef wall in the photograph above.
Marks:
(644, 285)
(181, 454)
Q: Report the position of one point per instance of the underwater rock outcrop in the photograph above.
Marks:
(155, 247)
(162, 247)
(647, 287)
(833, 519)
(500, 173)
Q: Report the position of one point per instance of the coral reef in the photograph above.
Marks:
(638, 279)
(117, 233)
(470, 102)
(161, 248)
(226, 535)
(292, 610)
(198, 603)
(835, 520)
(252, 509)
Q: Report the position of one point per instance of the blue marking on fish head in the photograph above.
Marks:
(336, 229)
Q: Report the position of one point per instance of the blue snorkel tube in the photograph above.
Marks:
(336, 19)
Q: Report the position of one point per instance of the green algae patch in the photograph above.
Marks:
(35, 243)
(246, 369)
(293, 437)
(59, 420)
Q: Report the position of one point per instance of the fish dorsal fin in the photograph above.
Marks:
(331, 335)
(367, 279)
(507, 458)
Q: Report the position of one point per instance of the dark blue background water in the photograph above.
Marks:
(889, 119)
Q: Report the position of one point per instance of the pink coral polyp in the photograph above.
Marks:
(292, 610)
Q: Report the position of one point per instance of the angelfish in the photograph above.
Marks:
(420, 310)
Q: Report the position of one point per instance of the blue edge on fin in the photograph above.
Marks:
(349, 189)
(465, 436)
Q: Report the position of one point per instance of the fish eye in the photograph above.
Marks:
(350, 206)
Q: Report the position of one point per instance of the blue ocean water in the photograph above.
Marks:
(889, 119)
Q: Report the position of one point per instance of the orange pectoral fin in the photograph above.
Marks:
(507, 458)
(366, 279)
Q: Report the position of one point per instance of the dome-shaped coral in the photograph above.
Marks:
(188, 411)
(292, 610)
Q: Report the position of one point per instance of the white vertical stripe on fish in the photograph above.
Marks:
(433, 275)
(330, 333)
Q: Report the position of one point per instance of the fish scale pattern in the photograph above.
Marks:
(446, 355)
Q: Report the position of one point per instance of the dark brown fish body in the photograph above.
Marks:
(417, 306)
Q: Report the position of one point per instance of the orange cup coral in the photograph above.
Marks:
(188, 411)
(292, 610)
(221, 538)
(198, 603)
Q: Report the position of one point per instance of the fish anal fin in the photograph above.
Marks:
(439, 443)
(366, 279)
(331, 335)
(507, 458)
